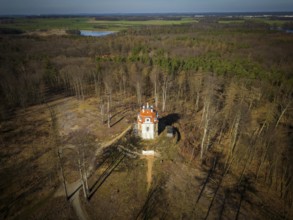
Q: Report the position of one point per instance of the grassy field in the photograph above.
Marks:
(84, 23)
(259, 20)
(231, 21)
(90, 23)
(269, 21)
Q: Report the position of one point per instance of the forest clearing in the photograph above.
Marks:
(69, 103)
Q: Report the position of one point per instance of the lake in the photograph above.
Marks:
(95, 33)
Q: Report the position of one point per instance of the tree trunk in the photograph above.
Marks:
(202, 142)
(206, 126)
(81, 177)
(197, 101)
(281, 115)
(85, 172)
(261, 129)
(62, 175)
(262, 159)
(124, 84)
(81, 90)
(156, 95)
(102, 112)
(96, 85)
(164, 95)
(235, 133)
(138, 93)
(108, 111)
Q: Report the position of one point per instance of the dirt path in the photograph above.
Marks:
(107, 144)
(150, 162)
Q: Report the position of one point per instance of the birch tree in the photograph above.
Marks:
(165, 89)
(195, 85)
(108, 81)
(209, 111)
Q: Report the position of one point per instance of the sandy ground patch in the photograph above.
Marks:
(58, 32)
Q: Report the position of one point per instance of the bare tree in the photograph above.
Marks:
(57, 144)
(108, 81)
(284, 109)
(102, 108)
(210, 108)
(84, 149)
(62, 173)
(195, 85)
(155, 81)
(206, 120)
(123, 78)
(227, 111)
(83, 177)
(74, 76)
(165, 89)
(97, 80)
(137, 79)
(108, 110)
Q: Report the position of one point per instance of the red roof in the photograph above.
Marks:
(147, 113)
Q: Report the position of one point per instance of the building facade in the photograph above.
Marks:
(147, 122)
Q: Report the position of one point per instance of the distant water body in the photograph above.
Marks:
(95, 33)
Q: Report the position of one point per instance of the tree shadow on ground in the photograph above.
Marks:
(99, 182)
(168, 120)
(155, 205)
(244, 186)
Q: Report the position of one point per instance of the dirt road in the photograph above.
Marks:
(109, 143)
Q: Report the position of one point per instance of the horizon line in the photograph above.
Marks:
(144, 13)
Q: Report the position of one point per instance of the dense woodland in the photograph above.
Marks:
(230, 84)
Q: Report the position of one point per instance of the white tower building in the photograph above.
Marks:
(147, 122)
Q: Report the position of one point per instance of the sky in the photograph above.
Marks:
(25, 7)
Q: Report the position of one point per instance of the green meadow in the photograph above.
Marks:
(84, 23)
